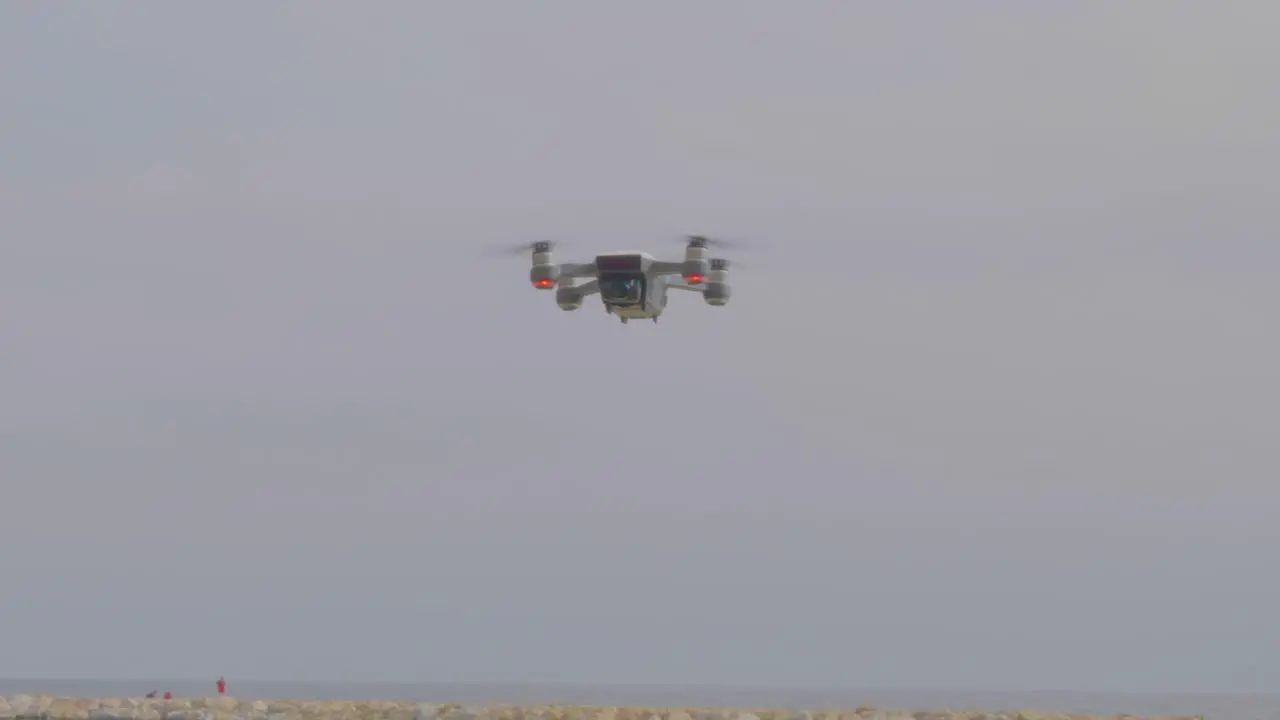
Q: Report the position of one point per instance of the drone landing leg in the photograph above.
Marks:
(655, 321)
(624, 320)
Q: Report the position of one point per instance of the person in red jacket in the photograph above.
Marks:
(168, 695)
(222, 686)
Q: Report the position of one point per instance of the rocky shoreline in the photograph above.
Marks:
(45, 707)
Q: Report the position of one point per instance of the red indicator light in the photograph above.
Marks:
(544, 283)
(695, 279)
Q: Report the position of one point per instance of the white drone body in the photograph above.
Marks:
(632, 285)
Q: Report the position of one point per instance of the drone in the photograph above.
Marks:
(633, 285)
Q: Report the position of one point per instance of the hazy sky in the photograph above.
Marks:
(994, 404)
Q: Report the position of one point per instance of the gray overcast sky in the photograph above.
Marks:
(994, 404)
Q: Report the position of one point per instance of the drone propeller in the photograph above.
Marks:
(522, 248)
(725, 264)
(709, 242)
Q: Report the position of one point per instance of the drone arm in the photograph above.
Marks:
(578, 270)
(661, 267)
(682, 285)
(591, 287)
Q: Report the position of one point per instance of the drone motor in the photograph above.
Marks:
(544, 274)
(716, 291)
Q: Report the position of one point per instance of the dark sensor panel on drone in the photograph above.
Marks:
(618, 263)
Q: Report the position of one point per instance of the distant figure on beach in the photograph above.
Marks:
(168, 695)
(151, 694)
(222, 686)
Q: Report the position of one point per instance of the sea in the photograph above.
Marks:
(1209, 706)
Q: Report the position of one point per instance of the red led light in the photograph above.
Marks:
(544, 283)
(695, 279)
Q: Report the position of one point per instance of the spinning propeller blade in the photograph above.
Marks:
(726, 264)
(710, 242)
(521, 248)
(703, 241)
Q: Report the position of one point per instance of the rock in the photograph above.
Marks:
(68, 708)
(458, 714)
(22, 706)
(42, 707)
(426, 711)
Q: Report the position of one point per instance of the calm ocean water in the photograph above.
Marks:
(1213, 707)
